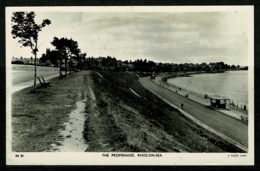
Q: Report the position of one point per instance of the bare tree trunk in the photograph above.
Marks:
(66, 66)
(60, 65)
(35, 74)
(70, 66)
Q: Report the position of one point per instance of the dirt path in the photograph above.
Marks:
(73, 139)
(113, 119)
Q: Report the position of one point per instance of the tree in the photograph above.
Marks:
(26, 30)
(52, 55)
(65, 47)
(233, 67)
(81, 60)
(82, 57)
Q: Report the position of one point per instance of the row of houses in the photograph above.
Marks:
(213, 66)
(22, 60)
(106, 63)
(53, 58)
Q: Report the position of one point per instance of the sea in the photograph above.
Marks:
(230, 84)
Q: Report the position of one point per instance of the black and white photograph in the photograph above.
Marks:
(130, 85)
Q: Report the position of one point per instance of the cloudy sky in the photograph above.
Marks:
(162, 37)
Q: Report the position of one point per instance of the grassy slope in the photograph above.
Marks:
(117, 120)
(127, 122)
(37, 118)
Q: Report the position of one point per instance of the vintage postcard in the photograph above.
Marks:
(130, 85)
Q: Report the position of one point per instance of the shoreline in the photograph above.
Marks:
(234, 103)
(190, 73)
(231, 110)
(38, 125)
(213, 118)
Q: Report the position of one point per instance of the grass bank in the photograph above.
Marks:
(116, 118)
(144, 123)
(37, 118)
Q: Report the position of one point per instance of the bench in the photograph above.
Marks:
(43, 82)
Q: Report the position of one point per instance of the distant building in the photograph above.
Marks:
(23, 60)
(51, 58)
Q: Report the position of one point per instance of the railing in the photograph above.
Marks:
(205, 95)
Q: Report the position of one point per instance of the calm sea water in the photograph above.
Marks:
(231, 84)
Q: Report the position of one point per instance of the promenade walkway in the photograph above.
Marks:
(226, 125)
(230, 110)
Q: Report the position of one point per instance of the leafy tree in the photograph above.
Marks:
(83, 56)
(26, 30)
(233, 66)
(52, 55)
(81, 60)
(65, 46)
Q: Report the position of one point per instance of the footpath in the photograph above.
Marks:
(230, 110)
(222, 124)
(23, 85)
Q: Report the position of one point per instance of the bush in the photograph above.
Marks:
(17, 62)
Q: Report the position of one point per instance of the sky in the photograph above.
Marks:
(172, 37)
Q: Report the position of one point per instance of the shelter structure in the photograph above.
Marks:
(218, 101)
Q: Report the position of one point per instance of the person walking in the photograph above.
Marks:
(182, 106)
